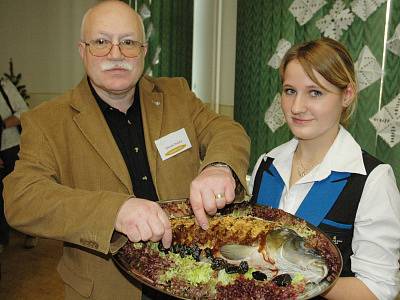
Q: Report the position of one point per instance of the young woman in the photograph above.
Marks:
(323, 176)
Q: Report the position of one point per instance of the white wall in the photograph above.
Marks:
(41, 37)
(214, 53)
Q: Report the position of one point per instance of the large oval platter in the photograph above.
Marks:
(248, 252)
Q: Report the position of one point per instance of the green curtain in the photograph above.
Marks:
(171, 40)
(261, 24)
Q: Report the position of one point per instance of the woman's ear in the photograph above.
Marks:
(348, 95)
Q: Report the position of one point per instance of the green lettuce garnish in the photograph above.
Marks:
(137, 246)
(225, 278)
(249, 274)
(153, 246)
(188, 269)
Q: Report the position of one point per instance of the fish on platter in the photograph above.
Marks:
(283, 251)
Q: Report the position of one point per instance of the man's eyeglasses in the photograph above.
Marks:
(102, 47)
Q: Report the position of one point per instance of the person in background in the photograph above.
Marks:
(11, 106)
(95, 161)
(323, 176)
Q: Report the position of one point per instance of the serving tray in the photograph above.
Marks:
(147, 262)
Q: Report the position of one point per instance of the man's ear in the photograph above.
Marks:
(348, 95)
(81, 49)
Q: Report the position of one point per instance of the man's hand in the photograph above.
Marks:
(211, 190)
(143, 220)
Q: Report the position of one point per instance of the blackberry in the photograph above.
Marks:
(231, 269)
(208, 253)
(176, 248)
(196, 251)
(218, 264)
(243, 267)
(188, 250)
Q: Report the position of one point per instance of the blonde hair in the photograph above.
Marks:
(330, 59)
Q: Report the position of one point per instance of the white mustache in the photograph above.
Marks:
(109, 65)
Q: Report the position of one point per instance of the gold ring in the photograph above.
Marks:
(219, 196)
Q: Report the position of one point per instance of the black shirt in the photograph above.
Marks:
(127, 130)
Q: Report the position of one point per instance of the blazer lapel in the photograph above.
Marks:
(151, 102)
(91, 122)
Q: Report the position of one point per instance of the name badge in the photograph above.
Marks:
(173, 144)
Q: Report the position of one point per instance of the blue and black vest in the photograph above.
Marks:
(331, 204)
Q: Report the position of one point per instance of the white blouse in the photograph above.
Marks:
(376, 239)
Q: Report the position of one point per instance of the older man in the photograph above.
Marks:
(94, 161)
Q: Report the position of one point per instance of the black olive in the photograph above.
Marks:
(218, 264)
(257, 275)
(208, 252)
(282, 280)
(243, 267)
(231, 269)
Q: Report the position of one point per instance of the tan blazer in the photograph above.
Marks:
(71, 178)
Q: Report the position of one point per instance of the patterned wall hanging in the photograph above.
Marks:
(393, 43)
(145, 13)
(387, 122)
(274, 117)
(304, 10)
(281, 49)
(338, 20)
(365, 8)
(367, 68)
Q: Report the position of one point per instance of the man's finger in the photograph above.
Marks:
(133, 234)
(198, 209)
(220, 200)
(145, 231)
(156, 226)
(167, 237)
(229, 194)
(208, 199)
